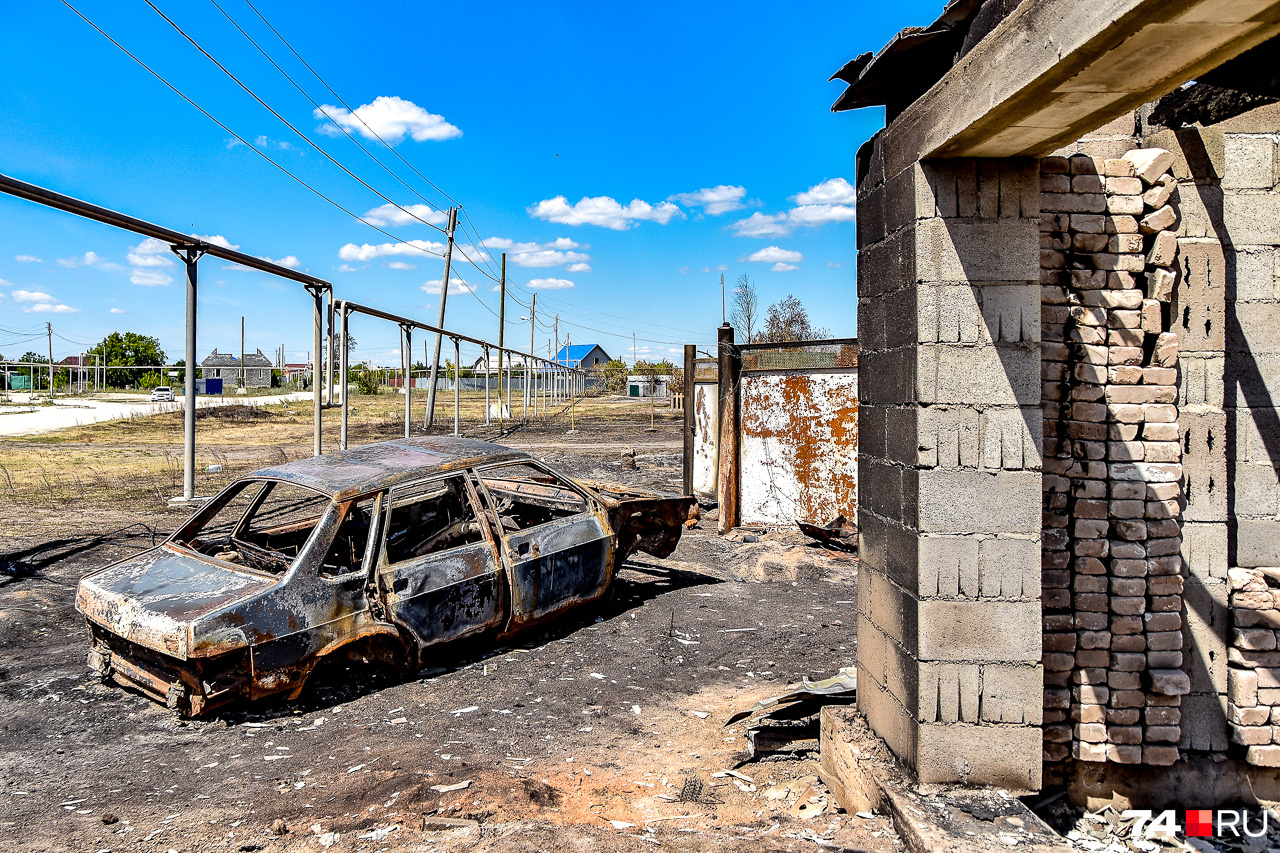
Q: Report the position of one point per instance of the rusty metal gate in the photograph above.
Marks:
(798, 439)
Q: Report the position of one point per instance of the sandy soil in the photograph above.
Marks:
(582, 735)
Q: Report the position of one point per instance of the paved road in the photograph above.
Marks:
(78, 411)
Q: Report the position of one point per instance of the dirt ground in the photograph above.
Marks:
(603, 731)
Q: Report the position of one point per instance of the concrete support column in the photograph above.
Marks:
(949, 626)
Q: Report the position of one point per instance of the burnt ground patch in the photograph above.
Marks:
(581, 733)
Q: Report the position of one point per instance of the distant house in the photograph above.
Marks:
(256, 369)
(639, 385)
(585, 356)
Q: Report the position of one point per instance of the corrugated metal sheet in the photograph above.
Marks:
(706, 403)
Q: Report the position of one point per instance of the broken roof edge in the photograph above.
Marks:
(870, 76)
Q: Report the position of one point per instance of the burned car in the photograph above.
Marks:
(377, 553)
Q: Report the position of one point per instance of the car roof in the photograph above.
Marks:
(370, 467)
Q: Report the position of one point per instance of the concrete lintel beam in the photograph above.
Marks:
(1054, 70)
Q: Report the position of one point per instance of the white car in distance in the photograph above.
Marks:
(162, 394)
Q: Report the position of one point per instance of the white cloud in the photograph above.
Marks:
(830, 201)
(51, 308)
(814, 215)
(148, 260)
(456, 285)
(368, 252)
(542, 255)
(831, 191)
(117, 310)
(28, 259)
(603, 211)
(4, 283)
(579, 267)
(781, 267)
(388, 117)
(548, 258)
(401, 265)
(349, 268)
(763, 225)
(774, 254)
(411, 214)
(37, 302)
(288, 261)
(722, 268)
(90, 259)
(150, 278)
(683, 270)
(834, 264)
(150, 253)
(714, 200)
(216, 240)
(550, 284)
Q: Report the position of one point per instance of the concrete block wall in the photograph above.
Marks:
(949, 631)
(1226, 308)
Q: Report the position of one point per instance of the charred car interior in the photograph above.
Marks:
(380, 552)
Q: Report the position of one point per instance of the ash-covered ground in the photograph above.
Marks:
(583, 735)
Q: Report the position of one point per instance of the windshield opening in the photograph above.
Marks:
(259, 524)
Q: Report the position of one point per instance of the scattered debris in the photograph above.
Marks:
(844, 684)
(445, 789)
(839, 533)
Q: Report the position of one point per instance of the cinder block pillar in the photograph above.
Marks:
(949, 626)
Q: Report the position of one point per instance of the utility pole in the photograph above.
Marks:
(502, 325)
(722, 314)
(48, 327)
(244, 377)
(556, 379)
(444, 296)
(633, 350)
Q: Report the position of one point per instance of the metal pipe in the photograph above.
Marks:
(690, 365)
(406, 359)
(457, 401)
(190, 257)
(486, 389)
(317, 401)
(49, 198)
(328, 350)
(344, 369)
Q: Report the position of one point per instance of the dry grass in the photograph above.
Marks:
(137, 461)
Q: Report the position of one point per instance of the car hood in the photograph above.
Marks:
(153, 599)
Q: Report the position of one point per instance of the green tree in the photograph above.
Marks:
(615, 376)
(132, 350)
(787, 321)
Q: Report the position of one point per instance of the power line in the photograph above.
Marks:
(237, 136)
(282, 119)
(347, 133)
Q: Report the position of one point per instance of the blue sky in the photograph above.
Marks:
(624, 156)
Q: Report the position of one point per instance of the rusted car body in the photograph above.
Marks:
(376, 553)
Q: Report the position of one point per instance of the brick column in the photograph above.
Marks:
(949, 626)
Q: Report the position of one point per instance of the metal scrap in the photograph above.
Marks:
(839, 533)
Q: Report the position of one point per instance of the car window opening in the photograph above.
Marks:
(346, 554)
(526, 496)
(262, 526)
(431, 518)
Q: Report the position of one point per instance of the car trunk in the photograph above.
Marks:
(642, 520)
(152, 599)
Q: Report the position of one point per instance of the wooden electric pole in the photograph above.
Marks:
(444, 296)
